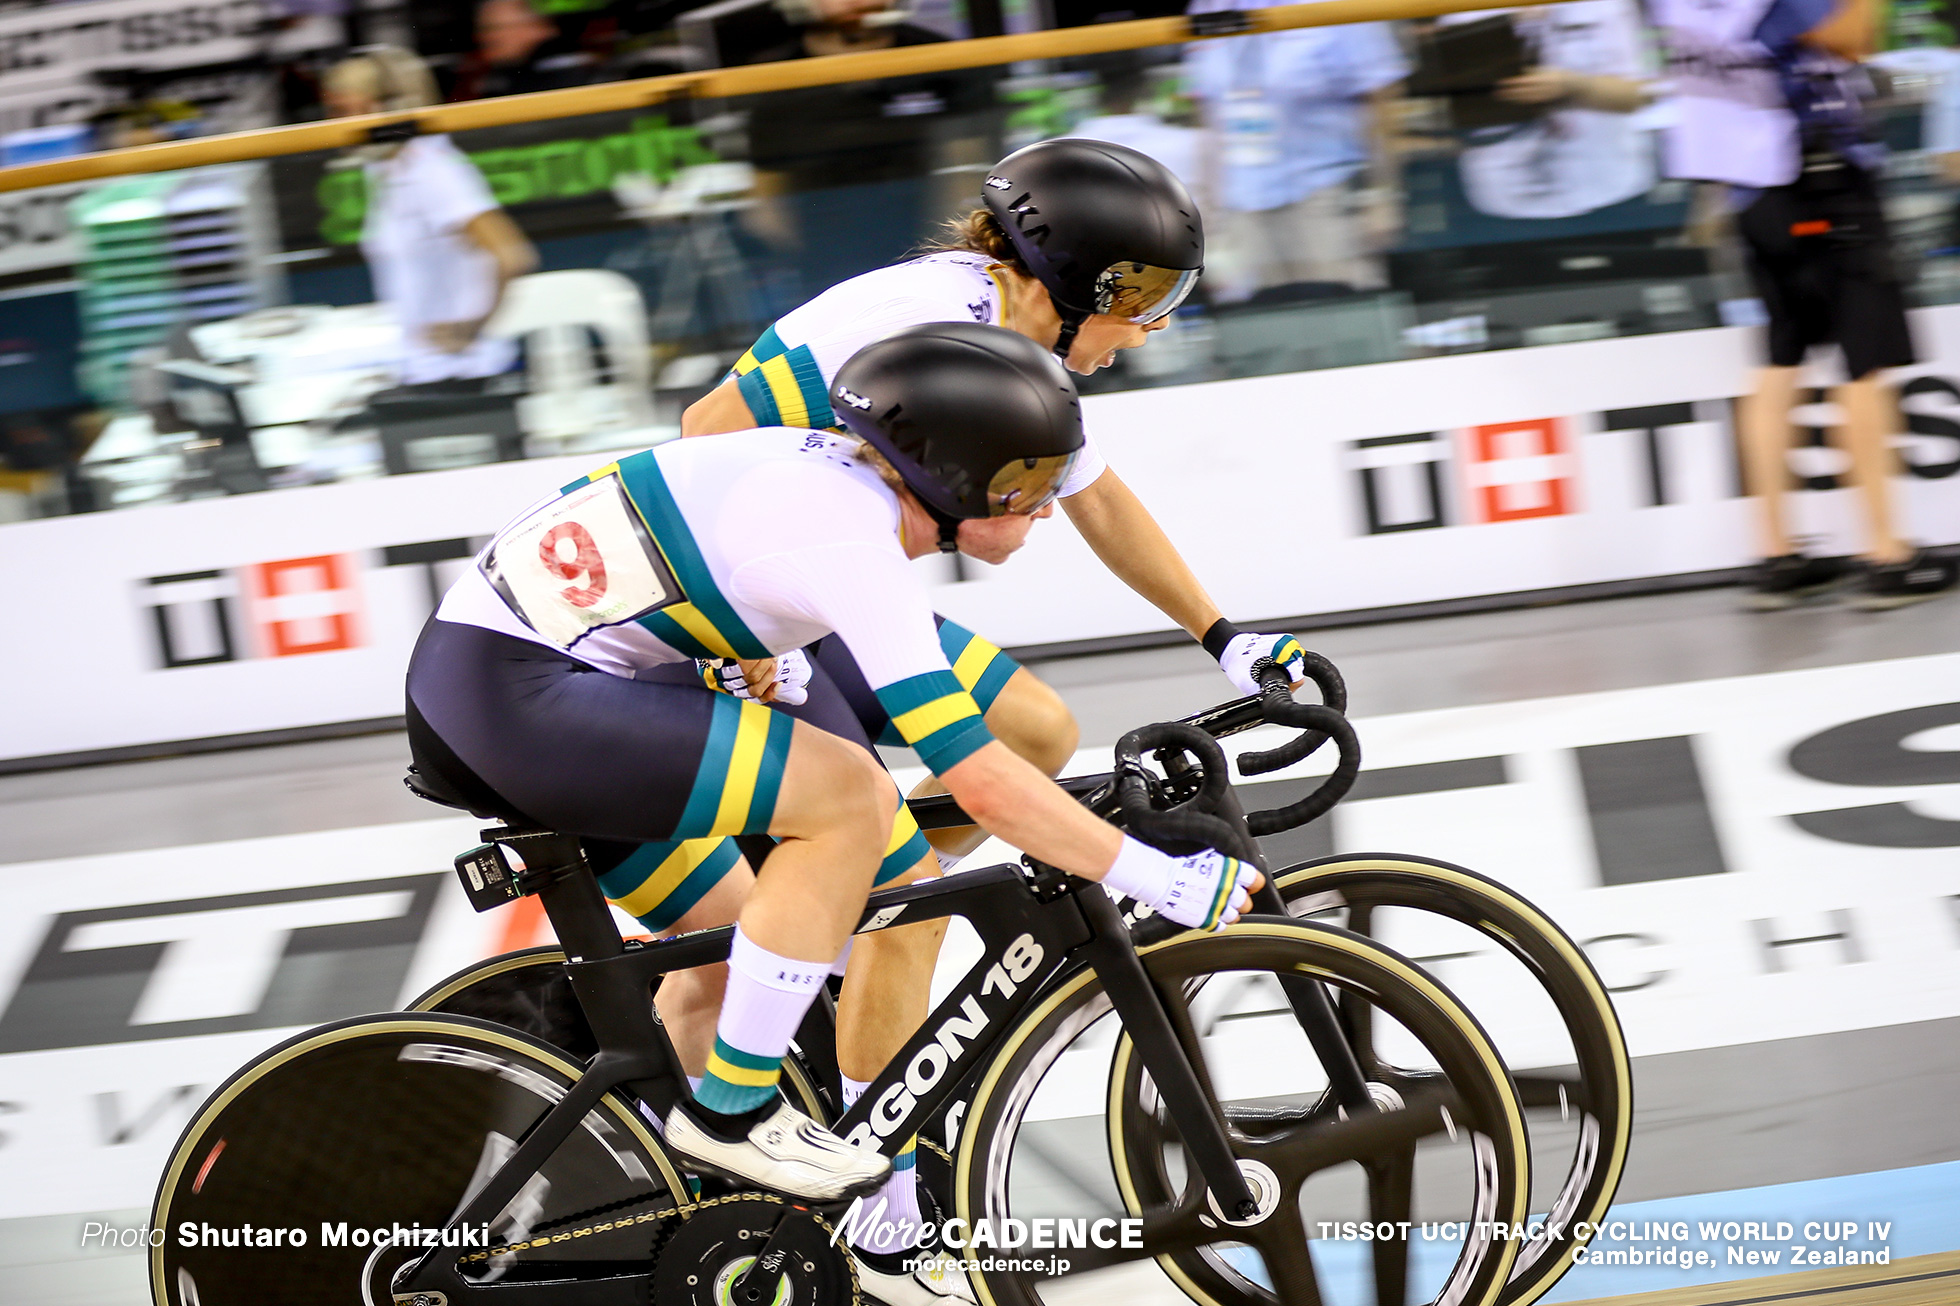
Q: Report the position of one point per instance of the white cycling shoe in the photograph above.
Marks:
(937, 1282)
(786, 1152)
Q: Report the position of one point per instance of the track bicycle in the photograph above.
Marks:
(434, 1159)
(1579, 1101)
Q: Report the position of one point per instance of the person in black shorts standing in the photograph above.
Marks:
(1770, 100)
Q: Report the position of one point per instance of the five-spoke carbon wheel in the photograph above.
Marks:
(1544, 1005)
(1033, 1143)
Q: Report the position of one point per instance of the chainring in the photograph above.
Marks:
(707, 1250)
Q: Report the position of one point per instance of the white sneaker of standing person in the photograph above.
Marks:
(784, 1151)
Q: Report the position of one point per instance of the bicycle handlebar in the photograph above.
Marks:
(1276, 695)
(1274, 705)
(1320, 722)
(1191, 822)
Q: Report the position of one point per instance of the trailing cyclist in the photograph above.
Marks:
(1084, 248)
(557, 683)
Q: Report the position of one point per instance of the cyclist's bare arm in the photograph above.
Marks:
(1134, 547)
(721, 409)
(1009, 798)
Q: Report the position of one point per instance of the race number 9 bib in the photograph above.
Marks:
(582, 561)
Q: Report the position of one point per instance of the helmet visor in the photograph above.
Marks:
(1142, 293)
(1027, 485)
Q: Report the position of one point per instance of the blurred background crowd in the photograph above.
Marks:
(1372, 191)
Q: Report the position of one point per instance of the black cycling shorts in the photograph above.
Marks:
(1824, 268)
(658, 772)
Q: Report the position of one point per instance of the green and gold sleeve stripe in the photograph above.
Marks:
(768, 345)
(977, 663)
(660, 882)
(788, 390)
(740, 773)
(937, 717)
(905, 849)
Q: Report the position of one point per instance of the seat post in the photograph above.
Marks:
(555, 870)
(580, 917)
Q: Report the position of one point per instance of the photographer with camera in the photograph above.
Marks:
(1770, 100)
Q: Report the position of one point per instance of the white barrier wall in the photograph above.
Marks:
(1291, 495)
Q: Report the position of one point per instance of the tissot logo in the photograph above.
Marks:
(279, 609)
(1663, 454)
(212, 965)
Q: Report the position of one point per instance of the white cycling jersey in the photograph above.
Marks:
(785, 377)
(749, 545)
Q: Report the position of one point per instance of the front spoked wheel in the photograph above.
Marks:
(1542, 1003)
(1452, 1148)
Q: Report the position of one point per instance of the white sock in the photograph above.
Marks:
(766, 1000)
(843, 961)
(897, 1230)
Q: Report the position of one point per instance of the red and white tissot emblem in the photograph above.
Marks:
(305, 605)
(1514, 470)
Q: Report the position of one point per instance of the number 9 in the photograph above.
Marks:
(584, 564)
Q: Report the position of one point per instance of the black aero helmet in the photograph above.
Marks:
(977, 420)
(1104, 228)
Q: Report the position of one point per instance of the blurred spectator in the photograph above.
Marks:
(1585, 151)
(1307, 187)
(1940, 123)
(922, 138)
(1128, 119)
(1769, 99)
(438, 246)
(519, 50)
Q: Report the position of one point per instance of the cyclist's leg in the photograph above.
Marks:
(1021, 711)
(674, 888)
(701, 884)
(646, 760)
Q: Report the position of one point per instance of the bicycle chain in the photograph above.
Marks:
(648, 1217)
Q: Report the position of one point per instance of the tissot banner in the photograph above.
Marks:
(1293, 495)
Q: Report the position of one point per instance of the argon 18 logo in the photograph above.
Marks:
(930, 1063)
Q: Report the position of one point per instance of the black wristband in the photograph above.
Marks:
(1222, 632)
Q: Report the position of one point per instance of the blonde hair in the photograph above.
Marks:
(394, 78)
(978, 231)
(867, 453)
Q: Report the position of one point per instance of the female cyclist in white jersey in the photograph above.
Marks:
(556, 684)
(1083, 247)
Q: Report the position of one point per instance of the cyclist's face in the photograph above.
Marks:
(1101, 336)
(996, 539)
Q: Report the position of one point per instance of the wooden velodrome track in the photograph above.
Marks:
(1918, 1281)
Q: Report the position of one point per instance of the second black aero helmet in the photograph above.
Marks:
(1104, 228)
(977, 420)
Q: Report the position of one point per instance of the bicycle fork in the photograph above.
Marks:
(1167, 1052)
